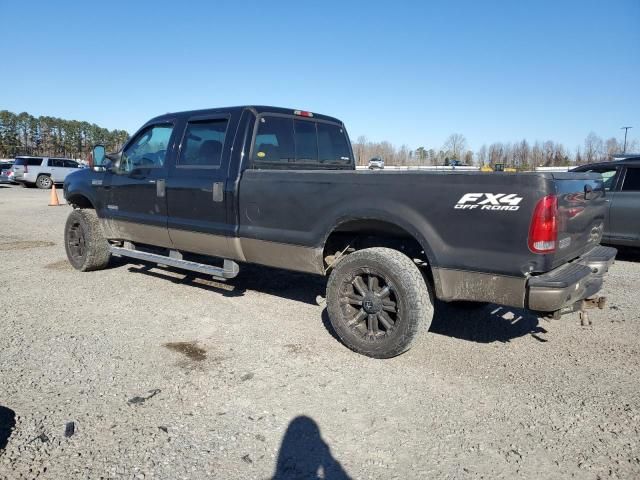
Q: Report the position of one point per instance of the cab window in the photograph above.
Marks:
(306, 141)
(333, 148)
(202, 144)
(148, 149)
(608, 176)
(631, 180)
(274, 142)
(285, 142)
(70, 164)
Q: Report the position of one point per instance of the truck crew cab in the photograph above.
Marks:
(210, 189)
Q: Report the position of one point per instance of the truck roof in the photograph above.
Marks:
(255, 108)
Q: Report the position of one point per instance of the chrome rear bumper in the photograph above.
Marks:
(570, 283)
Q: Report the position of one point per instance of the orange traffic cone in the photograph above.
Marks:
(54, 202)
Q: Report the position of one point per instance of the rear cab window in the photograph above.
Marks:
(288, 142)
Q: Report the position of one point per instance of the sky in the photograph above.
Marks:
(407, 72)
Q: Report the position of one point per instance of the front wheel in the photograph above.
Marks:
(86, 247)
(378, 302)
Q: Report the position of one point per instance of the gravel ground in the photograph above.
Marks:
(142, 372)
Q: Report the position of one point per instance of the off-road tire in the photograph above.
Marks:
(84, 241)
(44, 182)
(408, 292)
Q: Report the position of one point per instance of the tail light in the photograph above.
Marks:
(26, 170)
(543, 233)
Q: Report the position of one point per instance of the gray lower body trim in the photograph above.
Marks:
(454, 285)
(206, 244)
(136, 232)
(282, 255)
(273, 254)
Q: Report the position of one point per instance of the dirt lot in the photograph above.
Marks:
(167, 375)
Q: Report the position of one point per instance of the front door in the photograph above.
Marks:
(136, 198)
(197, 188)
(610, 176)
(624, 209)
(57, 170)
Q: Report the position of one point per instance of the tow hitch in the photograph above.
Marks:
(581, 306)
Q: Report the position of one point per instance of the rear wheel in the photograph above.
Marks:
(44, 181)
(378, 302)
(86, 247)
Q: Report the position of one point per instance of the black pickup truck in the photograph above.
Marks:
(205, 190)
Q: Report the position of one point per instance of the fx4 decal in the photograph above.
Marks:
(489, 201)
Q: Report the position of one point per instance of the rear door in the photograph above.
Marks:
(610, 177)
(136, 202)
(625, 208)
(198, 189)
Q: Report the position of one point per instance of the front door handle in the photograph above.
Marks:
(160, 187)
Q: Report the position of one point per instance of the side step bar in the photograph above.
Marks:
(229, 270)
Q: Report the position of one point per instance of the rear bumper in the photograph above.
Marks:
(570, 283)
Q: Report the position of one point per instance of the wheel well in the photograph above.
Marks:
(366, 233)
(80, 201)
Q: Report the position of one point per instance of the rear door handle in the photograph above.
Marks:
(218, 191)
(160, 187)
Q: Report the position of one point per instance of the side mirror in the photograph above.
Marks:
(99, 153)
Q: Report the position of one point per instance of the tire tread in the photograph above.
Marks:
(411, 280)
(98, 254)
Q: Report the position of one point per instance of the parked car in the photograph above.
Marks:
(279, 187)
(376, 163)
(42, 172)
(5, 168)
(622, 183)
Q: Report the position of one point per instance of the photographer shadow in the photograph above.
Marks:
(304, 454)
(7, 424)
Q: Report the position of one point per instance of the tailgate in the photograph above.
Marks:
(581, 211)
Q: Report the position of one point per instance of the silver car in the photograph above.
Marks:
(5, 167)
(42, 172)
(622, 183)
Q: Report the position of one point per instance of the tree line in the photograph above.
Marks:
(24, 134)
(521, 155)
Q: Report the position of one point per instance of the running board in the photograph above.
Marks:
(229, 270)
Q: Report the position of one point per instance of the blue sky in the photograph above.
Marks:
(407, 72)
